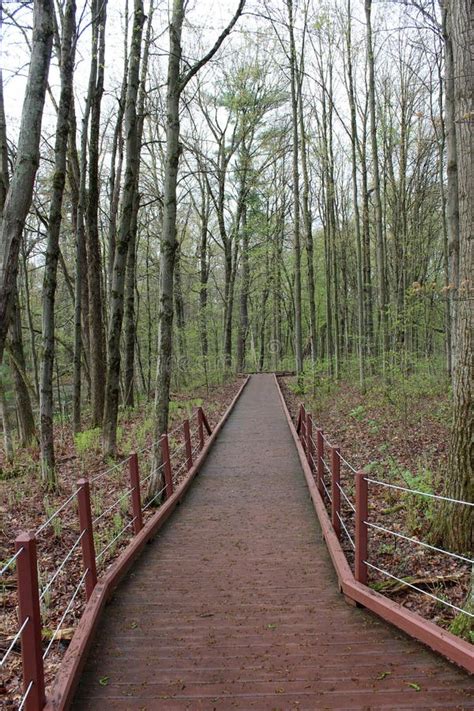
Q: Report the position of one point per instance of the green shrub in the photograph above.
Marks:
(87, 441)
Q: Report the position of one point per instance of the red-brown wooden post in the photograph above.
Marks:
(165, 455)
(206, 423)
(309, 441)
(136, 494)
(361, 537)
(29, 608)
(319, 458)
(200, 427)
(187, 444)
(87, 540)
(335, 490)
(303, 427)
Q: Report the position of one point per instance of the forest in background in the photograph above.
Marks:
(295, 197)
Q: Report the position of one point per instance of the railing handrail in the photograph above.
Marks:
(319, 465)
(29, 593)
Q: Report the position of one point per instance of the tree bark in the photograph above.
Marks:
(18, 199)
(124, 237)
(457, 520)
(175, 87)
(382, 290)
(296, 196)
(94, 260)
(52, 246)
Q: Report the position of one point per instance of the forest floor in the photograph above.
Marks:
(397, 433)
(24, 505)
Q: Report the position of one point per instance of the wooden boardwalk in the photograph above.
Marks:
(235, 603)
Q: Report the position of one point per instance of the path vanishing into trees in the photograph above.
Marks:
(235, 603)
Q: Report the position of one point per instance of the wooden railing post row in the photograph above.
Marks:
(136, 494)
(87, 540)
(187, 444)
(29, 608)
(319, 458)
(361, 529)
(200, 427)
(165, 455)
(309, 441)
(335, 490)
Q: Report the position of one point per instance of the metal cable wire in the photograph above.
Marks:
(10, 562)
(325, 465)
(58, 511)
(414, 587)
(344, 461)
(120, 533)
(65, 613)
(111, 469)
(155, 497)
(61, 565)
(25, 696)
(326, 490)
(346, 498)
(112, 506)
(345, 530)
(13, 642)
(326, 439)
(184, 464)
(177, 449)
(416, 491)
(147, 478)
(146, 447)
(419, 543)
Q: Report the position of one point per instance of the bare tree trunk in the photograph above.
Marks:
(456, 522)
(355, 194)
(203, 253)
(131, 280)
(244, 294)
(175, 86)
(296, 196)
(377, 190)
(116, 161)
(18, 199)
(452, 193)
(15, 340)
(52, 246)
(123, 244)
(307, 222)
(96, 315)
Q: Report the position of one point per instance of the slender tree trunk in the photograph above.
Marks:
(116, 160)
(52, 246)
(175, 86)
(123, 244)
(244, 294)
(296, 197)
(308, 228)
(452, 193)
(131, 316)
(355, 195)
(168, 241)
(94, 260)
(377, 189)
(18, 199)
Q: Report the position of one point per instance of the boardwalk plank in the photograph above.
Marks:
(235, 603)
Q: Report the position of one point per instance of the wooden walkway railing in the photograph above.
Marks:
(341, 516)
(344, 518)
(197, 437)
